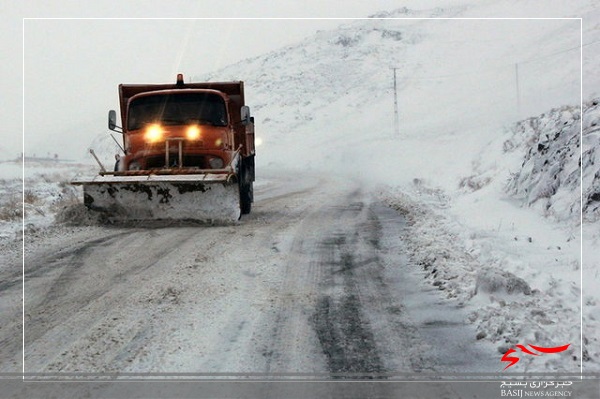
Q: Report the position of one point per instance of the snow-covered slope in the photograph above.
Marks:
(477, 184)
(334, 91)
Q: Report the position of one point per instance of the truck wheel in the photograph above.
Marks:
(245, 198)
(246, 191)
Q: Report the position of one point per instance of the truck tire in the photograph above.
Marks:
(245, 198)
(246, 191)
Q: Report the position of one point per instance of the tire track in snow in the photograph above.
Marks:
(345, 336)
(359, 318)
(82, 286)
(320, 307)
(292, 343)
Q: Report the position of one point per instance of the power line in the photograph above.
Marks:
(558, 52)
(517, 80)
(500, 66)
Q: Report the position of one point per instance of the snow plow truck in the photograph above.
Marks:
(188, 154)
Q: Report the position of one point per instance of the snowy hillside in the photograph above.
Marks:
(486, 170)
(337, 87)
(477, 186)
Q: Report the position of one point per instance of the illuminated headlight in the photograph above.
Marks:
(153, 133)
(134, 166)
(193, 132)
(216, 163)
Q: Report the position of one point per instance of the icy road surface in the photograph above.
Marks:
(313, 281)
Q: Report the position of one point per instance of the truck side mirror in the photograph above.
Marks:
(112, 119)
(245, 115)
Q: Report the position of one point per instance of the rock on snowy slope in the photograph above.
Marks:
(589, 163)
(550, 175)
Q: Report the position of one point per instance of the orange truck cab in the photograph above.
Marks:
(198, 129)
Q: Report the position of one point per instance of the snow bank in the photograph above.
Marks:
(47, 191)
(506, 241)
(512, 293)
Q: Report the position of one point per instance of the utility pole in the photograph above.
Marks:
(518, 91)
(396, 116)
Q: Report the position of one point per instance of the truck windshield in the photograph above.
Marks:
(177, 109)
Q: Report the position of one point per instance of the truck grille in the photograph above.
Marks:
(189, 161)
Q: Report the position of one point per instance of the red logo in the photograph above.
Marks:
(512, 360)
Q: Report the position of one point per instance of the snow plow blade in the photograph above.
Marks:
(208, 198)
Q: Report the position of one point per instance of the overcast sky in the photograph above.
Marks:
(63, 62)
(71, 67)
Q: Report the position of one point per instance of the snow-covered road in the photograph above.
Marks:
(315, 280)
